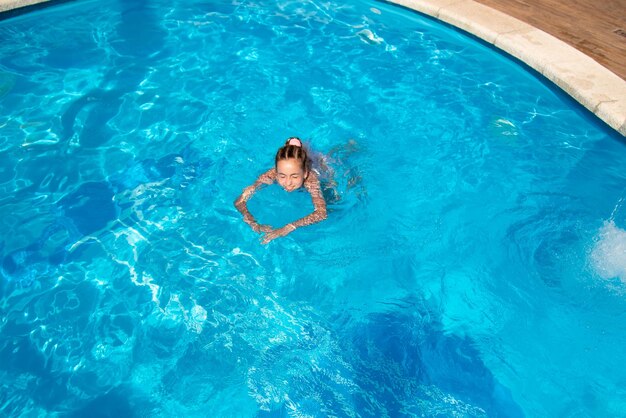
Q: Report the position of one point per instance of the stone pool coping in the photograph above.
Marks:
(588, 82)
(6, 5)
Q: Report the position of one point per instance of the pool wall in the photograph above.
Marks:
(588, 82)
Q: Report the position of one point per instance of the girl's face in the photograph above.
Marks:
(290, 174)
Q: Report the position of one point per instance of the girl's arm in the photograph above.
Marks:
(266, 178)
(312, 184)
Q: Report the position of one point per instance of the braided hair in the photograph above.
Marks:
(297, 152)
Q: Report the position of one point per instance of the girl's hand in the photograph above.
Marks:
(280, 232)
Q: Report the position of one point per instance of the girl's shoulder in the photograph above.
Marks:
(312, 180)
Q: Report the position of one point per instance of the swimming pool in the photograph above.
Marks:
(473, 265)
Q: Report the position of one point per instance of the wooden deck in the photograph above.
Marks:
(597, 28)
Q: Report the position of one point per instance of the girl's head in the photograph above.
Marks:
(292, 165)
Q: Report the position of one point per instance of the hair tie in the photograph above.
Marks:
(294, 140)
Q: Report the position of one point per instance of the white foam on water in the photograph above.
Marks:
(608, 255)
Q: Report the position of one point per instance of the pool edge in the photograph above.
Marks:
(591, 84)
(7, 5)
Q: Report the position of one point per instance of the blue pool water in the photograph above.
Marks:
(474, 263)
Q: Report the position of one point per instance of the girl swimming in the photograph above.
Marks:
(291, 171)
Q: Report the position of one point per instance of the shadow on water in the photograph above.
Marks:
(90, 208)
(23, 353)
(93, 208)
(410, 345)
(399, 363)
(87, 210)
(140, 41)
(20, 356)
(114, 404)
